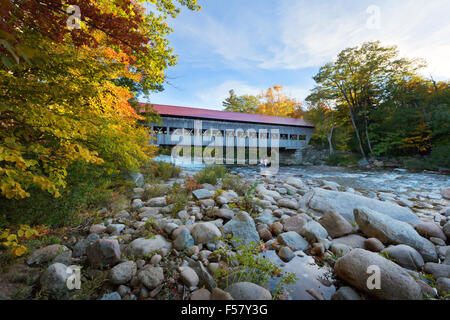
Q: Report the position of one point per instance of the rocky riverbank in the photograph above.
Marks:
(325, 235)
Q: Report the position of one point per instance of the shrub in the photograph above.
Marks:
(178, 197)
(210, 174)
(160, 170)
(191, 184)
(87, 185)
(234, 182)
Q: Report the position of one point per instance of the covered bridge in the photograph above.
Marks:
(294, 134)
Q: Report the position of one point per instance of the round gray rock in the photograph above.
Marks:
(248, 291)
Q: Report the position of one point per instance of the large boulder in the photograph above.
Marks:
(437, 270)
(391, 231)
(248, 291)
(405, 256)
(395, 282)
(242, 227)
(335, 224)
(343, 203)
(142, 246)
(352, 241)
(205, 232)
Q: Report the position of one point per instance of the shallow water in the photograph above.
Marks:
(308, 274)
(395, 181)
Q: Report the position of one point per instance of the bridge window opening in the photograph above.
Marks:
(302, 137)
(160, 130)
(283, 136)
(293, 137)
(188, 131)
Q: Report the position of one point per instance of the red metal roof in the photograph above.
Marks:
(166, 110)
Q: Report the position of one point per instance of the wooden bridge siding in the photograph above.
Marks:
(184, 123)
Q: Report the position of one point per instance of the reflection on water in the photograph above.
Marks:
(308, 274)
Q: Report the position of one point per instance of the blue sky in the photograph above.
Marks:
(250, 45)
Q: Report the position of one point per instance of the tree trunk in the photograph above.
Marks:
(357, 133)
(367, 136)
(330, 136)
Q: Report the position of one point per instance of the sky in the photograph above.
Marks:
(251, 45)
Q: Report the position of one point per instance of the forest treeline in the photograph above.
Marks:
(371, 101)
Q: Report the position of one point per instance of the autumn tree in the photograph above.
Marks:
(274, 102)
(65, 94)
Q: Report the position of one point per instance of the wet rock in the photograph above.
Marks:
(141, 246)
(405, 256)
(293, 240)
(54, 280)
(373, 244)
(201, 294)
(395, 282)
(202, 194)
(437, 270)
(335, 224)
(430, 229)
(344, 203)
(151, 276)
(388, 230)
(345, 293)
(51, 253)
(189, 277)
(103, 252)
(123, 272)
(183, 240)
(294, 223)
(205, 232)
(242, 227)
(312, 231)
(219, 294)
(248, 291)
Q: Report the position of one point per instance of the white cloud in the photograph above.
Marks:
(312, 33)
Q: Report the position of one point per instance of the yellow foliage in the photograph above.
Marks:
(13, 241)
